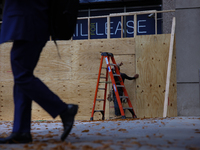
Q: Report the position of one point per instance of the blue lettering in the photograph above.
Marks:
(97, 30)
(130, 24)
(141, 26)
(81, 32)
(117, 28)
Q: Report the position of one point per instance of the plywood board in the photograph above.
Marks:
(5, 67)
(73, 77)
(151, 63)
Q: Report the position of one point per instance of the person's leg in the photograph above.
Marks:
(24, 58)
(22, 112)
(116, 106)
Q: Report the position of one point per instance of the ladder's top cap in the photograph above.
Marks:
(107, 54)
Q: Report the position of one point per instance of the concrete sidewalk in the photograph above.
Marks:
(177, 133)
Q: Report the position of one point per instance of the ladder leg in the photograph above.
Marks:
(118, 99)
(130, 105)
(104, 103)
(95, 96)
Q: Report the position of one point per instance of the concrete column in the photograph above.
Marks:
(188, 56)
(167, 17)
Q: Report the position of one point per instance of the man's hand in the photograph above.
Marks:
(136, 76)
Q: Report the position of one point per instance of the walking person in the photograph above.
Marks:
(26, 24)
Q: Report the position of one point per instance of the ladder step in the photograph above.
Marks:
(116, 75)
(127, 108)
(101, 88)
(98, 110)
(103, 77)
(99, 99)
(105, 82)
(113, 64)
(104, 67)
(120, 85)
(123, 96)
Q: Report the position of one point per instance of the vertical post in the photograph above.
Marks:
(135, 25)
(88, 28)
(156, 24)
(169, 68)
(122, 26)
(124, 22)
(108, 27)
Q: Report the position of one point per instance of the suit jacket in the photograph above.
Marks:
(25, 20)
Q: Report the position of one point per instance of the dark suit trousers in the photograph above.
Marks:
(27, 87)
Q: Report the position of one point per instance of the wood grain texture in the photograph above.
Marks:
(151, 63)
(73, 77)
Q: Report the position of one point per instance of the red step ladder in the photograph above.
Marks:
(107, 57)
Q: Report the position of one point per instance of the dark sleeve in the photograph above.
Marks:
(124, 76)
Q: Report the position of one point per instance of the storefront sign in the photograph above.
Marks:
(98, 27)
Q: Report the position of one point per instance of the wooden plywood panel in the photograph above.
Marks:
(6, 83)
(115, 46)
(151, 63)
(172, 103)
(51, 66)
(5, 67)
(6, 102)
(73, 77)
(86, 54)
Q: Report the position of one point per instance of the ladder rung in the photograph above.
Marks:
(105, 82)
(123, 96)
(127, 108)
(113, 64)
(116, 75)
(119, 85)
(98, 110)
(100, 99)
(104, 67)
(101, 88)
(103, 77)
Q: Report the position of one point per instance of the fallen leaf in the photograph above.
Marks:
(122, 130)
(85, 131)
(137, 143)
(98, 141)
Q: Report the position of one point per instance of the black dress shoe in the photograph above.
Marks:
(67, 118)
(17, 138)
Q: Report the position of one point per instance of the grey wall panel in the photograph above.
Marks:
(188, 56)
(188, 44)
(167, 17)
(188, 103)
(187, 4)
